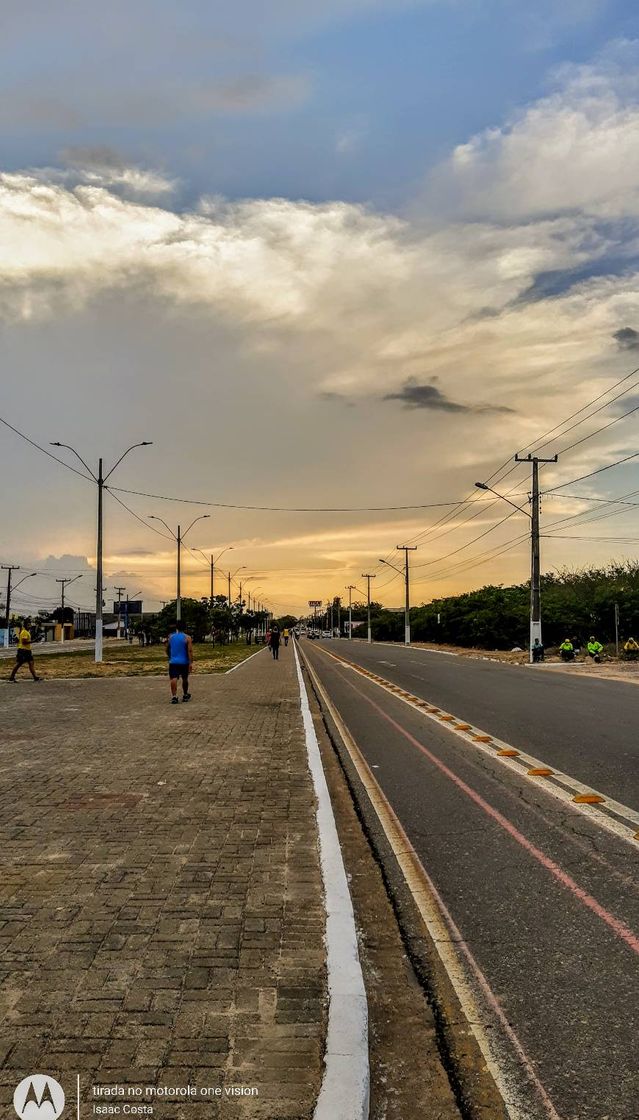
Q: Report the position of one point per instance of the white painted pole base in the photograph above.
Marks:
(98, 640)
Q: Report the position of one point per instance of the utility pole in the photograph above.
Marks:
(339, 616)
(100, 480)
(535, 561)
(212, 579)
(369, 578)
(119, 591)
(126, 612)
(178, 538)
(406, 549)
(178, 601)
(617, 628)
(351, 588)
(9, 568)
(68, 579)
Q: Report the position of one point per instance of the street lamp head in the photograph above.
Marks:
(481, 486)
(146, 443)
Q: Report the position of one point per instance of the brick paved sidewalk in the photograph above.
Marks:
(161, 917)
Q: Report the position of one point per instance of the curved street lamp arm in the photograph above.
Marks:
(16, 585)
(483, 486)
(389, 565)
(144, 443)
(152, 517)
(202, 517)
(73, 450)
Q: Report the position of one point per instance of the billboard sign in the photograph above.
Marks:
(134, 606)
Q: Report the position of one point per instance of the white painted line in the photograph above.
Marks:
(345, 1090)
(240, 663)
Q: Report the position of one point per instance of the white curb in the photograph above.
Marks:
(345, 1088)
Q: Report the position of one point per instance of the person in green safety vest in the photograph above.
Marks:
(595, 649)
(567, 650)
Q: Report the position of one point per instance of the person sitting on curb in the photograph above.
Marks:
(631, 649)
(24, 655)
(566, 650)
(538, 652)
(179, 650)
(595, 649)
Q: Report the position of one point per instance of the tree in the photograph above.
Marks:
(195, 618)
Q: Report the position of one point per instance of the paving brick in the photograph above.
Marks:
(161, 919)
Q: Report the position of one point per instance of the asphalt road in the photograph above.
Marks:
(588, 727)
(545, 901)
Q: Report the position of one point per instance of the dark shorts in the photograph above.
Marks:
(177, 670)
(23, 656)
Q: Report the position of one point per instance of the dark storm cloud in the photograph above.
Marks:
(627, 338)
(414, 395)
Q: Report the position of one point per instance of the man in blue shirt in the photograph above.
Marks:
(179, 650)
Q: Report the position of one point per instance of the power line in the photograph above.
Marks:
(284, 509)
(591, 473)
(44, 450)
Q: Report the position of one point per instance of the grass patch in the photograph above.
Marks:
(132, 661)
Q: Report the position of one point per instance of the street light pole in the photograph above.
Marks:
(119, 591)
(64, 582)
(178, 538)
(100, 479)
(406, 549)
(351, 588)
(535, 559)
(9, 568)
(369, 578)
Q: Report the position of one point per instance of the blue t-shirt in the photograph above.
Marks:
(178, 649)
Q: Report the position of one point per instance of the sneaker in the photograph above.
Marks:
(174, 700)
(36, 679)
(187, 696)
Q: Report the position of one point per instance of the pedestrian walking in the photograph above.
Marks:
(179, 650)
(285, 635)
(274, 642)
(24, 654)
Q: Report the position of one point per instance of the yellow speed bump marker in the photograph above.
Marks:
(462, 727)
(508, 752)
(447, 719)
(482, 738)
(541, 771)
(588, 798)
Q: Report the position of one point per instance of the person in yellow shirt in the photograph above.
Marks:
(24, 653)
(285, 635)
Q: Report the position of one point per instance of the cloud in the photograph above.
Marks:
(557, 155)
(627, 338)
(103, 166)
(513, 287)
(414, 395)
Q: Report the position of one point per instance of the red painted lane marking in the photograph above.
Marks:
(615, 924)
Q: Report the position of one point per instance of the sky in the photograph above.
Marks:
(338, 264)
